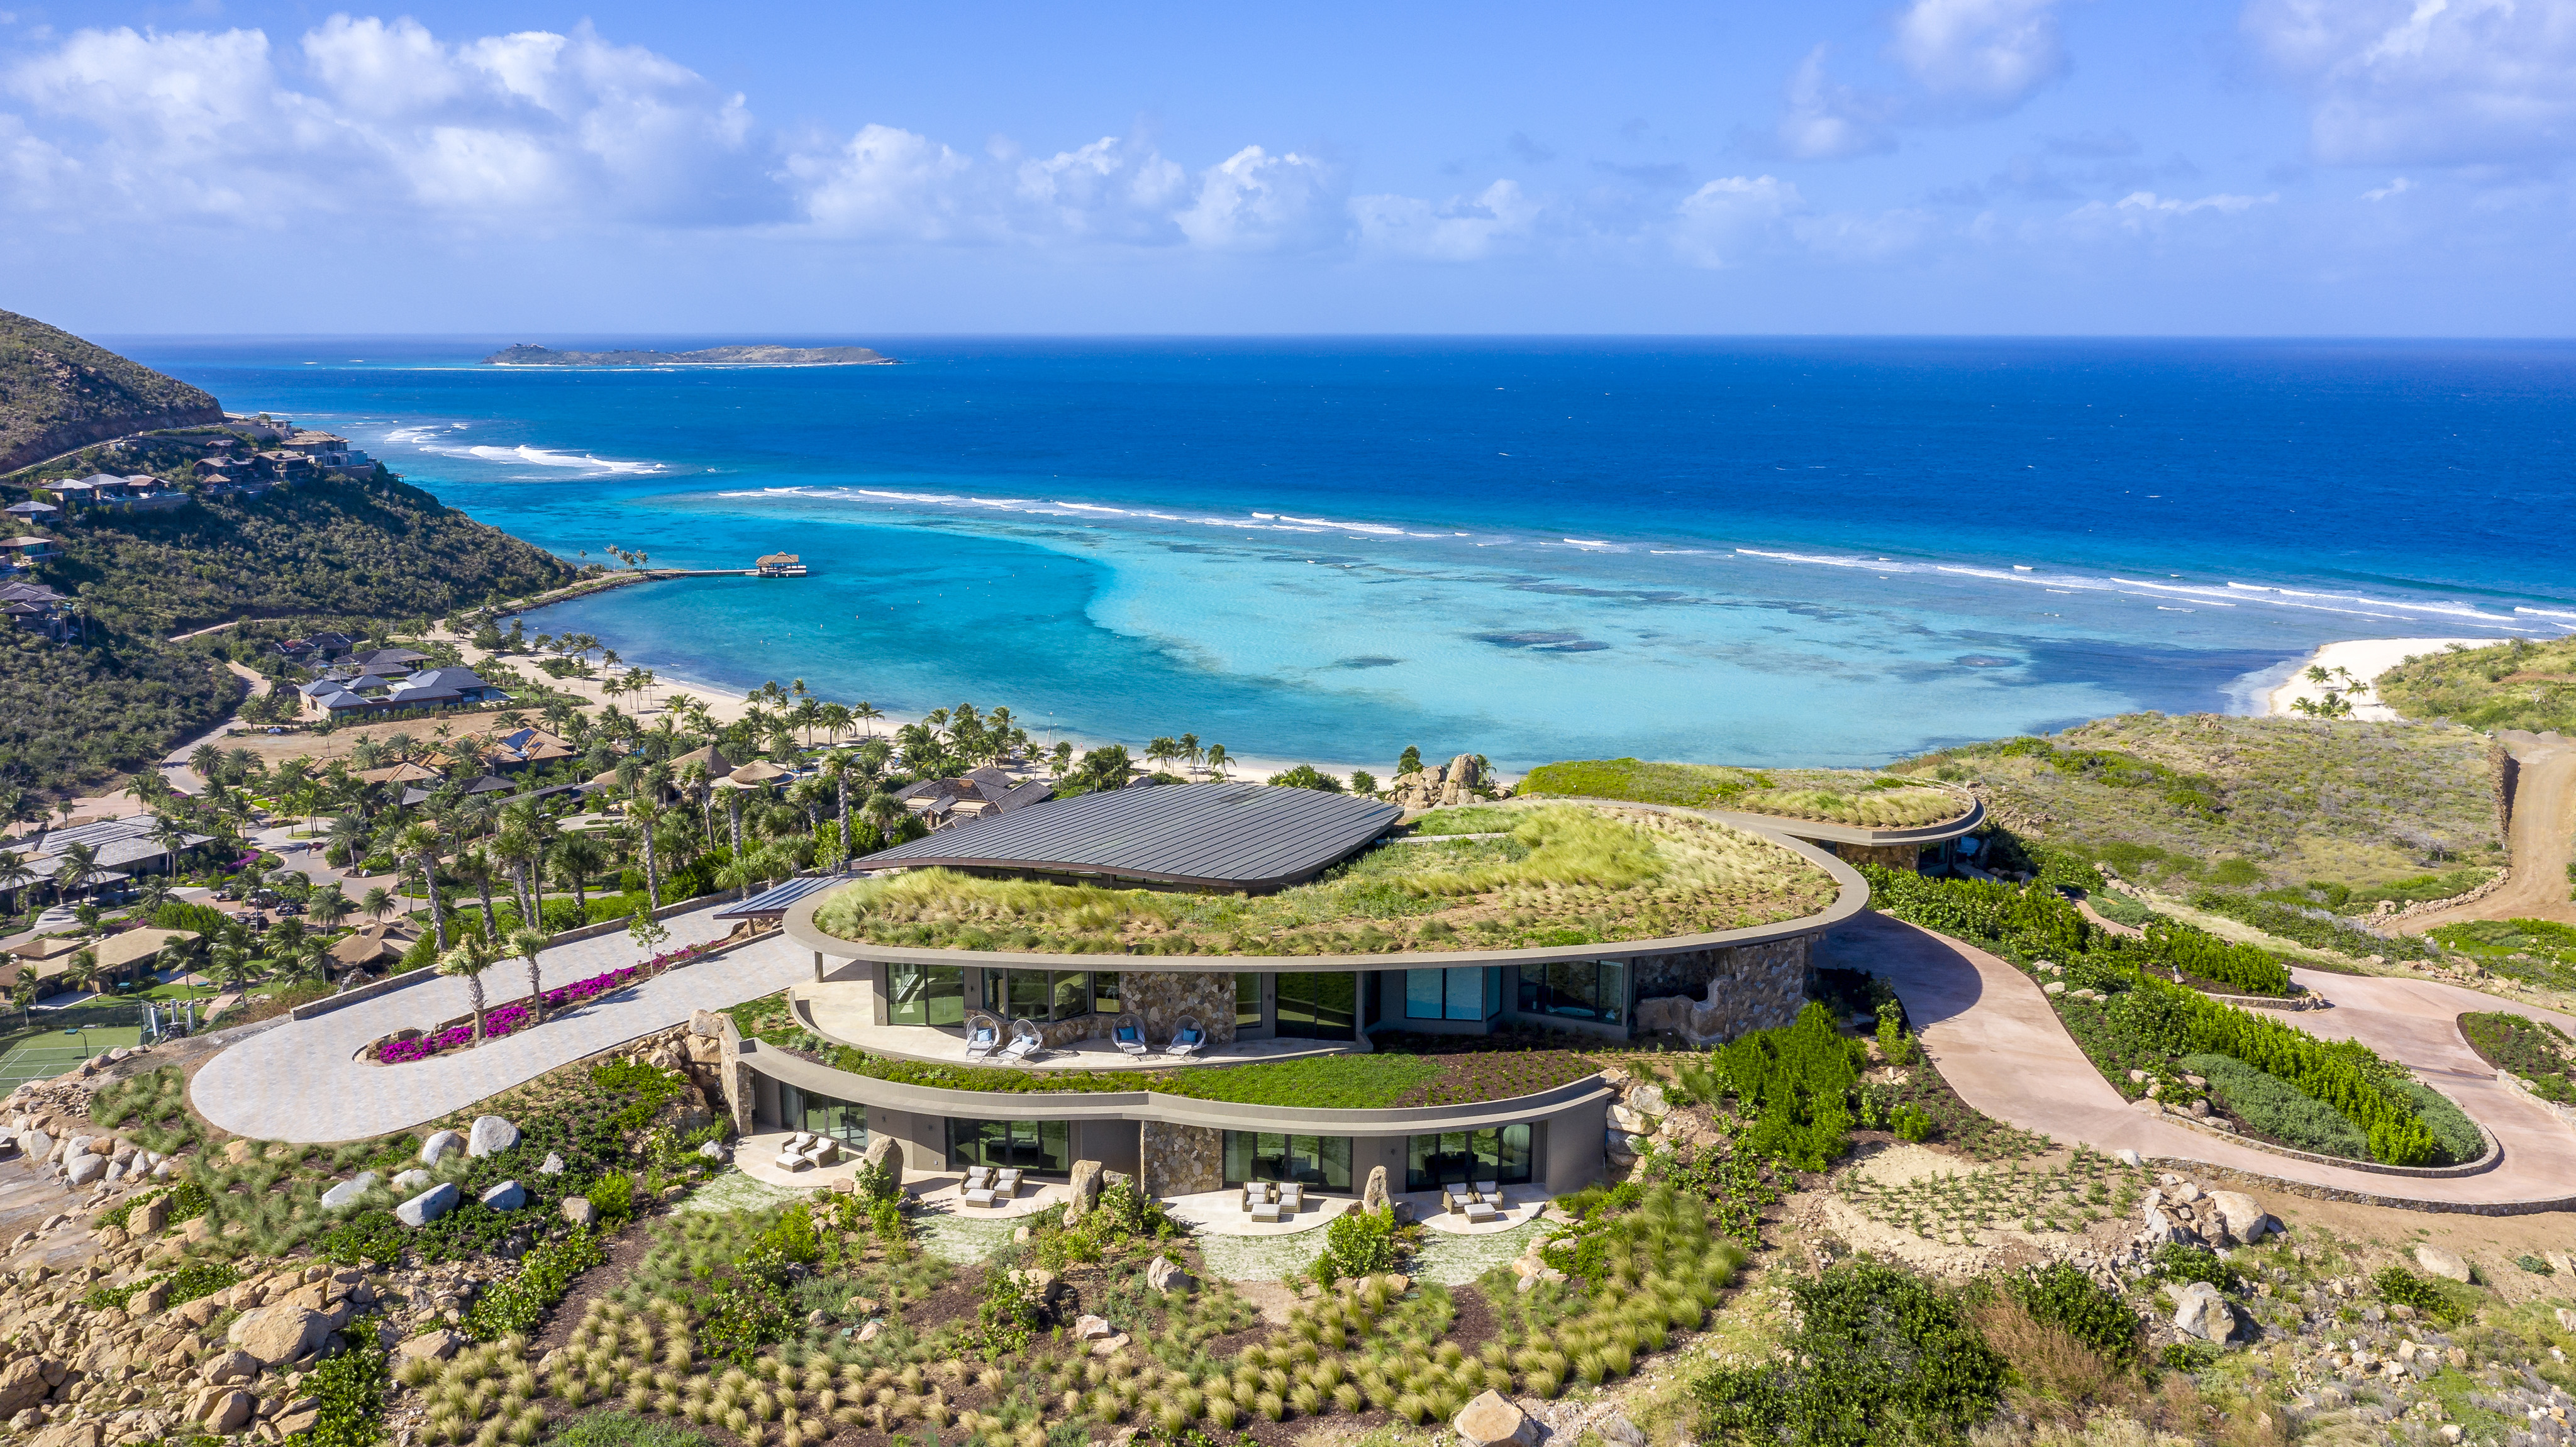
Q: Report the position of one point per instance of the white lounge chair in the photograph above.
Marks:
(1007, 1184)
(1454, 1199)
(983, 1035)
(1489, 1192)
(977, 1178)
(1025, 1042)
(1189, 1039)
(1129, 1033)
(1292, 1196)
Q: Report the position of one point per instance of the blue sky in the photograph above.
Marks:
(2377, 167)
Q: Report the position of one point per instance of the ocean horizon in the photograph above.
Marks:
(1762, 551)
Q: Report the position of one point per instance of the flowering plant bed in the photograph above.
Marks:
(506, 1019)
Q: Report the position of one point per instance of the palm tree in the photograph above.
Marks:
(576, 860)
(15, 876)
(866, 713)
(643, 815)
(228, 965)
(1162, 750)
(419, 843)
(82, 973)
(467, 962)
(167, 833)
(528, 944)
(1216, 761)
(837, 766)
(1191, 752)
(836, 720)
(207, 763)
(75, 870)
(517, 853)
(882, 811)
(737, 874)
(378, 902)
(328, 907)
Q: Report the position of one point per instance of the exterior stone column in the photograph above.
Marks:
(1181, 1160)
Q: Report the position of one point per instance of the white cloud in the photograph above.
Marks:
(1254, 201)
(1990, 55)
(2398, 187)
(1824, 121)
(2145, 210)
(1731, 218)
(890, 184)
(1460, 229)
(2427, 82)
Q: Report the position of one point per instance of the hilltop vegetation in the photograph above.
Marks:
(73, 713)
(2375, 810)
(2516, 685)
(1562, 875)
(323, 554)
(58, 392)
(1836, 796)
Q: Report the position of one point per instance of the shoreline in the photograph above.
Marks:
(2366, 659)
(726, 704)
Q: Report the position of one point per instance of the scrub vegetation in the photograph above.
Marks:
(2519, 684)
(2361, 811)
(1835, 796)
(1564, 875)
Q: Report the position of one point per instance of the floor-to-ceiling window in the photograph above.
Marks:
(1501, 1156)
(1469, 994)
(1247, 1002)
(1043, 994)
(1321, 1161)
(1318, 1005)
(1044, 1146)
(1576, 990)
(842, 1120)
(925, 994)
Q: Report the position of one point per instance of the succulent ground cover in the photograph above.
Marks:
(2535, 1050)
(1564, 875)
(2373, 810)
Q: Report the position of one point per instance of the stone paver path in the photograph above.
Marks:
(1999, 1044)
(303, 1082)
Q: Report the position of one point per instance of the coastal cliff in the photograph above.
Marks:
(527, 355)
(58, 392)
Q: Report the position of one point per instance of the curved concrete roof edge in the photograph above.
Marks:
(1155, 1106)
(1851, 898)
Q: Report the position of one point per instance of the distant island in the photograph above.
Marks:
(525, 355)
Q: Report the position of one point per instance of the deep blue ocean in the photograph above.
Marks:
(1805, 551)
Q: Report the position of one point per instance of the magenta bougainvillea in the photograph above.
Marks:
(509, 1018)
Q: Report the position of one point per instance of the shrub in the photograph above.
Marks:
(369, 1238)
(2247, 968)
(2271, 1107)
(1878, 1355)
(2401, 1287)
(612, 1193)
(1357, 1243)
(348, 1391)
(545, 1274)
(2066, 1298)
(1796, 1082)
(2187, 1264)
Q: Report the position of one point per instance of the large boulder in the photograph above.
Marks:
(224, 1410)
(492, 1135)
(1491, 1420)
(22, 1385)
(1648, 1100)
(1081, 1194)
(2201, 1311)
(437, 1346)
(346, 1193)
(1165, 1275)
(36, 1145)
(230, 1368)
(2244, 1218)
(1374, 1197)
(428, 1206)
(507, 1196)
(83, 1168)
(2447, 1264)
(578, 1211)
(439, 1146)
(278, 1334)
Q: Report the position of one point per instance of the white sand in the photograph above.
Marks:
(2366, 658)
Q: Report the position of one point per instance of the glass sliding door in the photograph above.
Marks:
(1322, 1162)
(925, 995)
(1470, 994)
(1041, 1146)
(1501, 1156)
(1247, 1002)
(1576, 990)
(1041, 994)
(1318, 1005)
(842, 1120)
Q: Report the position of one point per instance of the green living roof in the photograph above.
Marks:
(1557, 875)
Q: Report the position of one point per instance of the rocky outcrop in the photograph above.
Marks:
(1461, 780)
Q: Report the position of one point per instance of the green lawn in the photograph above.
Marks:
(41, 1057)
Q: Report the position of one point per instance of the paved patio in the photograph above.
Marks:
(1518, 1209)
(841, 1010)
(301, 1081)
(1221, 1213)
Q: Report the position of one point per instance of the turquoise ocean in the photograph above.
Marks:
(1767, 552)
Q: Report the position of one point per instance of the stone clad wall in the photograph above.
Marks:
(1180, 1160)
(1164, 998)
(1892, 856)
(1711, 996)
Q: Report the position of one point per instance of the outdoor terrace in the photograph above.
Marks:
(841, 1012)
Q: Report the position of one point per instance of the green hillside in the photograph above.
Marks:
(58, 392)
(2516, 685)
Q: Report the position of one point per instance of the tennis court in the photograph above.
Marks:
(41, 1057)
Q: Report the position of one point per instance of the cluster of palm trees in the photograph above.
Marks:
(1187, 750)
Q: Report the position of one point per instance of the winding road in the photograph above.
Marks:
(1999, 1044)
(2542, 838)
(302, 1081)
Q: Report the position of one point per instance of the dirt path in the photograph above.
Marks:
(2543, 838)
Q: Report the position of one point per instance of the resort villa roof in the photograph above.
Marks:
(118, 843)
(120, 950)
(51, 947)
(1250, 837)
(772, 904)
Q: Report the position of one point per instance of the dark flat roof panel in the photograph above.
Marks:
(1244, 836)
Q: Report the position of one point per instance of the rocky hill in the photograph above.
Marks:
(58, 392)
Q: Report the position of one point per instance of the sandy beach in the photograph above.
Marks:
(726, 705)
(2366, 659)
